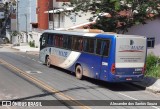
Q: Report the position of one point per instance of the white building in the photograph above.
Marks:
(152, 31)
(61, 20)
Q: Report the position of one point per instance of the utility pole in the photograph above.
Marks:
(26, 28)
(17, 17)
(53, 17)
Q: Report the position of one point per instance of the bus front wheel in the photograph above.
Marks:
(79, 72)
(48, 62)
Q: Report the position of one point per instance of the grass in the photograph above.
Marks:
(153, 66)
(154, 72)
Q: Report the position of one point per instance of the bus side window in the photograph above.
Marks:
(80, 44)
(69, 42)
(53, 42)
(56, 41)
(50, 40)
(105, 47)
(98, 47)
(85, 45)
(65, 37)
(89, 45)
(61, 41)
(74, 43)
(92, 43)
(77, 43)
(44, 39)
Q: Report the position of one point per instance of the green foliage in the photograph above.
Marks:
(32, 43)
(154, 72)
(151, 61)
(153, 66)
(5, 40)
(15, 33)
(124, 13)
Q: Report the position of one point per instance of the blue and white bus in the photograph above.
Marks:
(104, 56)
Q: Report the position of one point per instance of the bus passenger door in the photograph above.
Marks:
(105, 45)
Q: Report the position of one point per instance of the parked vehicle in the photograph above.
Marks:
(104, 56)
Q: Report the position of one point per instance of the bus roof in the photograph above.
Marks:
(82, 33)
(71, 32)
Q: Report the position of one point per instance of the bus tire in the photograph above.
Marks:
(79, 72)
(48, 62)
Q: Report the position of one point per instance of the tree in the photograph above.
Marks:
(118, 15)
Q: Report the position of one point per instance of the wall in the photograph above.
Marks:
(26, 14)
(35, 35)
(42, 6)
(68, 21)
(33, 14)
(151, 29)
(78, 20)
(13, 24)
(59, 3)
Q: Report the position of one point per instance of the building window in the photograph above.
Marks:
(150, 42)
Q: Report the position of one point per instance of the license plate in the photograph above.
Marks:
(128, 79)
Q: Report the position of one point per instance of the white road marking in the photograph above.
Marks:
(39, 62)
(30, 58)
(33, 72)
(136, 99)
(128, 96)
(33, 59)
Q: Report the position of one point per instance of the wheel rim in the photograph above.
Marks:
(79, 72)
(48, 62)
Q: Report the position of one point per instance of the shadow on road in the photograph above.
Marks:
(121, 86)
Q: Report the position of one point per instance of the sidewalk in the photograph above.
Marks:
(149, 83)
(27, 48)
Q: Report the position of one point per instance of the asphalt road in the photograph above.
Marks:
(63, 82)
(15, 87)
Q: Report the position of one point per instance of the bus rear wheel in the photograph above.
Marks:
(48, 62)
(79, 72)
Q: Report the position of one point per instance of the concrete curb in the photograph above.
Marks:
(29, 50)
(14, 48)
(149, 83)
(33, 53)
